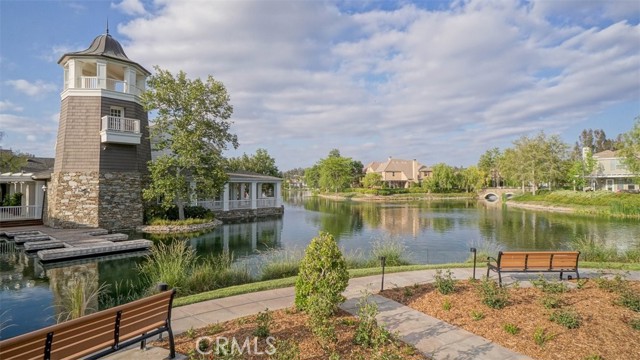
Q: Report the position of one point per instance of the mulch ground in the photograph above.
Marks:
(604, 333)
(291, 325)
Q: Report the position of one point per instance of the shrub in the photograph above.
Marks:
(286, 350)
(492, 294)
(549, 287)
(155, 211)
(551, 302)
(263, 321)
(630, 299)
(541, 336)
(567, 318)
(446, 305)
(510, 328)
(323, 273)
(635, 324)
(611, 285)
(476, 315)
(444, 283)
(368, 333)
(320, 310)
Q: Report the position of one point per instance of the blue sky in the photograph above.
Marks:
(438, 81)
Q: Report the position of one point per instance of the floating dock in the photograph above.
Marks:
(66, 244)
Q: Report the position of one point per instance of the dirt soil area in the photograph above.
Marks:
(605, 331)
(291, 325)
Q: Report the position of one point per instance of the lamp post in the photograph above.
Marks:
(383, 262)
(44, 201)
(473, 250)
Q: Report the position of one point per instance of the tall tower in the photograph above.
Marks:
(103, 145)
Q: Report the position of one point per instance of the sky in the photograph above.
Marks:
(436, 81)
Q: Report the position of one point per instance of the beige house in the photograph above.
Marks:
(399, 173)
(611, 173)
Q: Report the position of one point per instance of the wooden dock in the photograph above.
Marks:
(65, 244)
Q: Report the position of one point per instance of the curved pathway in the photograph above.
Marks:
(434, 338)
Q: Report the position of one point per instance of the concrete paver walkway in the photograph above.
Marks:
(433, 337)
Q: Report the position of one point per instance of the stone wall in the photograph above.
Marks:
(72, 200)
(247, 214)
(120, 200)
(110, 200)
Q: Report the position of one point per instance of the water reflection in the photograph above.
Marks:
(432, 231)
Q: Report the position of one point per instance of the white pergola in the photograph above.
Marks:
(32, 196)
(246, 191)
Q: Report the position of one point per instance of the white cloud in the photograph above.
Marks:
(130, 7)
(55, 53)
(437, 85)
(27, 134)
(32, 89)
(9, 106)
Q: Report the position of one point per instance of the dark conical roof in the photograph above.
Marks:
(103, 45)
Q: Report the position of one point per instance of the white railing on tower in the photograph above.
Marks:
(121, 124)
(93, 82)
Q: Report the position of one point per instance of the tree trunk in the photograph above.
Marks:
(180, 205)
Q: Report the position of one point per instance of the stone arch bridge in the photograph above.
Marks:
(496, 194)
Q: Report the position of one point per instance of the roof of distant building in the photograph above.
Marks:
(606, 154)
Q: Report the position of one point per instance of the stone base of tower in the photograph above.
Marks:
(110, 200)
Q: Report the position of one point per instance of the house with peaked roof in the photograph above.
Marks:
(611, 174)
(399, 173)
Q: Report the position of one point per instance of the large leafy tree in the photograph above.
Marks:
(489, 165)
(190, 131)
(336, 173)
(11, 161)
(631, 149)
(261, 162)
(472, 178)
(443, 179)
(312, 176)
(535, 160)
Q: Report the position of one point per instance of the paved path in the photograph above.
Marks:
(434, 338)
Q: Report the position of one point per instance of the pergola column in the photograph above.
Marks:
(254, 195)
(225, 198)
(276, 193)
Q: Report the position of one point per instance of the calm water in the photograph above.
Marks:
(433, 232)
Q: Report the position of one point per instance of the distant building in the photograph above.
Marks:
(611, 173)
(399, 173)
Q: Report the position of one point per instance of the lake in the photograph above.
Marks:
(433, 232)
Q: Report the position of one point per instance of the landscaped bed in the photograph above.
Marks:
(288, 327)
(594, 319)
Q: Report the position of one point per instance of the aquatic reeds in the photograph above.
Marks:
(278, 264)
(170, 264)
(484, 249)
(594, 249)
(122, 292)
(392, 248)
(79, 297)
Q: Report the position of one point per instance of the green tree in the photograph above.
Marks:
(535, 160)
(442, 179)
(489, 165)
(12, 161)
(261, 162)
(372, 180)
(631, 149)
(356, 172)
(335, 173)
(312, 176)
(191, 130)
(472, 178)
(579, 169)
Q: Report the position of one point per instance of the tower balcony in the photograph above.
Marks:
(120, 130)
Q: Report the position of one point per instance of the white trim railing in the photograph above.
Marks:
(94, 82)
(120, 124)
(210, 204)
(266, 202)
(8, 213)
(239, 204)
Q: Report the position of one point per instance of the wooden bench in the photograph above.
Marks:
(97, 334)
(534, 261)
